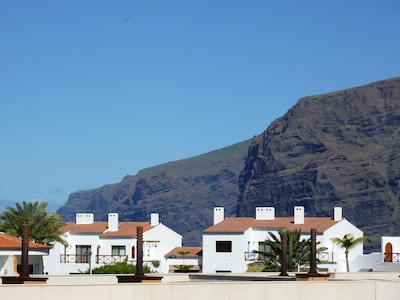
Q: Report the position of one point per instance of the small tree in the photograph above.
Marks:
(348, 242)
(298, 251)
(43, 226)
(183, 267)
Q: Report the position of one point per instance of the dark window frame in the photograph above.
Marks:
(223, 246)
(117, 250)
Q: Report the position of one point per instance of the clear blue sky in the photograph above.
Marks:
(91, 91)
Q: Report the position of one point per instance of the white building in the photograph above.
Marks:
(229, 245)
(93, 244)
(389, 257)
(11, 252)
(185, 259)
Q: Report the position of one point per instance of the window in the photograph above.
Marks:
(223, 246)
(83, 253)
(133, 252)
(118, 250)
(263, 248)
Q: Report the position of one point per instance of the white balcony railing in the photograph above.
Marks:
(85, 259)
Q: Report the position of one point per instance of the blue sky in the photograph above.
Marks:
(91, 91)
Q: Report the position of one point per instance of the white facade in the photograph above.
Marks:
(11, 253)
(9, 260)
(228, 245)
(94, 244)
(185, 259)
(390, 249)
(337, 254)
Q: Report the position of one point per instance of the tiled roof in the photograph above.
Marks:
(125, 229)
(240, 225)
(194, 252)
(8, 242)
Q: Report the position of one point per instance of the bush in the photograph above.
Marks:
(119, 268)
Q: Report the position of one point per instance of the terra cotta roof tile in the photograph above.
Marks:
(240, 225)
(101, 228)
(11, 242)
(193, 252)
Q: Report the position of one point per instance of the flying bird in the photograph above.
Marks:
(127, 19)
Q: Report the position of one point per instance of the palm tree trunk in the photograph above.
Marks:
(347, 261)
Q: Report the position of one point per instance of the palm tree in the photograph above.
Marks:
(183, 267)
(298, 251)
(348, 242)
(43, 226)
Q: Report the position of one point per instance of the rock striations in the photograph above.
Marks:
(183, 192)
(336, 149)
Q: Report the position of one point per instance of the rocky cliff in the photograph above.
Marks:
(336, 149)
(183, 192)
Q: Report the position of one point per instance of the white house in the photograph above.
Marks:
(185, 259)
(229, 245)
(389, 257)
(93, 244)
(10, 255)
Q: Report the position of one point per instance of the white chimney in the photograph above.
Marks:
(112, 222)
(298, 215)
(337, 214)
(154, 219)
(265, 213)
(218, 215)
(84, 218)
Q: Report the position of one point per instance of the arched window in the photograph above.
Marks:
(388, 253)
(133, 253)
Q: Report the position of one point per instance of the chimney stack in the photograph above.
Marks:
(265, 213)
(154, 219)
(219, 215)
(84, 218)
(337, 214)
(298, 215)
(112, 222)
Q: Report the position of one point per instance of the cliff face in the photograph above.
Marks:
(337, 149)
(183, 192)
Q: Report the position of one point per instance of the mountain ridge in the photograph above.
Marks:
(333, 149)
(183, 192)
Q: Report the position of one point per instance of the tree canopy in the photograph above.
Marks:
(348, 242)
(298, 251)
(43, 226)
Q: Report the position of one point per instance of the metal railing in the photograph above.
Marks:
(392, 257)
(323, 256)
(111, 259)
(74, 258)
(85, 259)
(253, 256)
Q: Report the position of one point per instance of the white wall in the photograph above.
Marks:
(187, 261)
(248, 241)
(7, 258)
(158, 241)
(7, 265)
(52, 263)
(224, 261)
(339, 230)
(331, 290)
(394, 240)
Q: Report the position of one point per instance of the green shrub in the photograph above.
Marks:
(119, 268)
